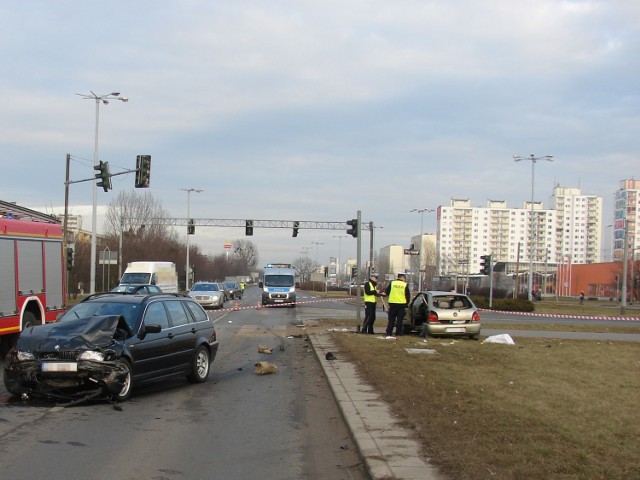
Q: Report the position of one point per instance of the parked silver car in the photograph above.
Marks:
(208, 294)
(443, 313)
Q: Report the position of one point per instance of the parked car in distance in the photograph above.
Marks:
(109, 343)
(234, 290)
(443, 313)
(131, 288)
(208, 294)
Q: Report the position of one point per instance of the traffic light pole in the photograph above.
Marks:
(358, 282)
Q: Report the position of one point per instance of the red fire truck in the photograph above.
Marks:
(32, 273)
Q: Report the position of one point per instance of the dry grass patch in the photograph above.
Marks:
(539, 409)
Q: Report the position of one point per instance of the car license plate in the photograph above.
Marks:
(278, 301)
(456, 330)
(458, 321)
(59, 367)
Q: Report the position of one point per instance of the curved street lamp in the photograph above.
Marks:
(94, 215)
(534, 160)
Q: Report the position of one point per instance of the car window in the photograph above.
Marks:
(198, 313)
(156, 315)
(177, 312)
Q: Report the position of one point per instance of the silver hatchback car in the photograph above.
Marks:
(443, 313)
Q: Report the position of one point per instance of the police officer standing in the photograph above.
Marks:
(370, 302)
(399, 297)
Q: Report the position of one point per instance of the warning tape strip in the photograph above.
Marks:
(259, 305)
(558, 315)
(352, 300)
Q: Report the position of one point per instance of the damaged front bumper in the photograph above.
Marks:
(63, 379)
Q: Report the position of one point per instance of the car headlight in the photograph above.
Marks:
(24, 356)
(92, 356)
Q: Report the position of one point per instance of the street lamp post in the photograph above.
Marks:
(533, 159)
(94, 214)
(317, 244)
(187, 268)
(339, 237)
(421, 210)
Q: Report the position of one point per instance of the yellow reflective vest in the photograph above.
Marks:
(370, 298)
(397, 292)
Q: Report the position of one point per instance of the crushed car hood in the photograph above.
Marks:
(77, 334)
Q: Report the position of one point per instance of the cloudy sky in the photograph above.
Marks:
(312, 110)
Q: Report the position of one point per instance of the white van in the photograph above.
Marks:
(162, 274)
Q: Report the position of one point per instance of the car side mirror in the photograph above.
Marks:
(152, 328)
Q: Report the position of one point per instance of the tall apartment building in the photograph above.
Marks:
(579, 225)
(572, 228)
(627, 219)
(465, 233)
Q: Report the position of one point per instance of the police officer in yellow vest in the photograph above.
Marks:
(370, 301)
(399, 297)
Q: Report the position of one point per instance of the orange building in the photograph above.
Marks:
(602, 280)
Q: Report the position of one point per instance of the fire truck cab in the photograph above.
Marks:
(32, 272)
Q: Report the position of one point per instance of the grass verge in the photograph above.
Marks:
(540, 409)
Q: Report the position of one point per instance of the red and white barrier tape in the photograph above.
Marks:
(558, 315)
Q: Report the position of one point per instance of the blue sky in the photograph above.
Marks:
(312, 110)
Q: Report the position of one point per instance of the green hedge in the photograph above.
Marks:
(505, 304)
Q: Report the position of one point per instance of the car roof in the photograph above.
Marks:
(138, 297)
(438, 293)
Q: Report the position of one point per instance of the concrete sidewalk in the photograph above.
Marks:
(388, 450)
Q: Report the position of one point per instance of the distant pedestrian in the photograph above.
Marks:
(581, 298)
(371, 295)
(399, 297)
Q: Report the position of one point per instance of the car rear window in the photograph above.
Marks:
(451, 301)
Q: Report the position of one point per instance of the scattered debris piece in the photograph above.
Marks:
(344, 447)
(430, 351)
(265, 368)
(265, 349)
(503, 338)
(330, 356)
(390, 338)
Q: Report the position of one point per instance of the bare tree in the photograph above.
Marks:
(247, 252)
(131, 211)
(304, 266)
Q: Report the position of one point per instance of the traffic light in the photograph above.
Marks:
(69, 258)
(191, 227)
(104, 176)
(296, 224)
(326, 272)
(353, 231)
(248, 229)
(143, 171)
(354, 272)
(485, 264)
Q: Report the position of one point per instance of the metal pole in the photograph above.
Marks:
(623, 305)
(65, 225)
(370, 249)
(357, 279)
(94, 211)
(533, 160)
(187, 266)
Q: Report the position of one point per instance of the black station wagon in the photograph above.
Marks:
(110, 342)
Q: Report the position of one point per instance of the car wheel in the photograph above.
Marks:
(200, 367)
(125, 393)
(474, 336)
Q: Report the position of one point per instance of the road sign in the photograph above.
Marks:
(408, 251)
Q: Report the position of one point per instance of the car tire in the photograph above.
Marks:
(125, 394)
(201, 366)
(474, 336)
